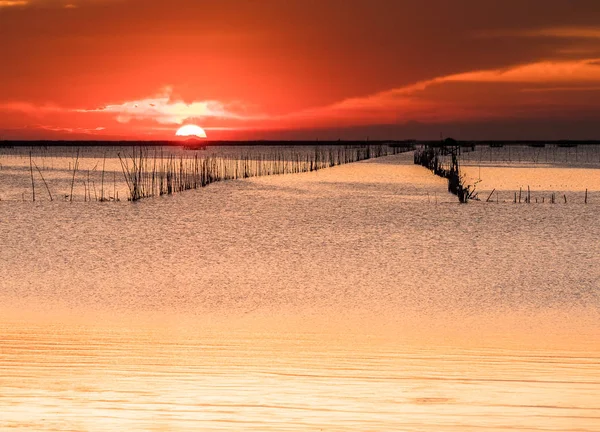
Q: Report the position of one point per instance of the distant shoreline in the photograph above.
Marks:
(231, 143)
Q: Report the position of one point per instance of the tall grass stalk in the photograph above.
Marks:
(156, 175)
(44, 180)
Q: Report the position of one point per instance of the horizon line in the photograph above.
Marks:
(207, 142)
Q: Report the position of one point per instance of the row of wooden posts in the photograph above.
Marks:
(429, 157)
(518, 199)
(150, 172)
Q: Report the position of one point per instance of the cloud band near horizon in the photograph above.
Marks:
(434, 100)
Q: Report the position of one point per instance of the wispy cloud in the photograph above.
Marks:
(13, 3)
(54, 4)
(163, 109)
(29, 108)
(587, 70)
(438, 99)
(544, 72)
(560, 89)
(90, 131)
(546, 32)
(565, 32)
(541, 73)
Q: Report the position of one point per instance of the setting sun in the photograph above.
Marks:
(191, 131)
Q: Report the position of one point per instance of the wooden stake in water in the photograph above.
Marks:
(74, 172)
(102, 184)
(31, 172)
(44, 180)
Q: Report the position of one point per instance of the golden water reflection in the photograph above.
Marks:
(186, 377)
(361, 297)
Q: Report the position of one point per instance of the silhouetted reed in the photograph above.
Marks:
(31, 172)
(149, 175)
(156, 171)
(44, 180)
(74, 172)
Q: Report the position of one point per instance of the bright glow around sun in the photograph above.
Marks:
(190, 131)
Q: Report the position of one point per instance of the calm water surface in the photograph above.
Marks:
(361, 297)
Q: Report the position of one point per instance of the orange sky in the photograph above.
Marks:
(139, 69)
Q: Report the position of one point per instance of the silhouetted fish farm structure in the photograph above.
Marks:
(149, 173)
(152, 171)
(429, 157)
(445, 158)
